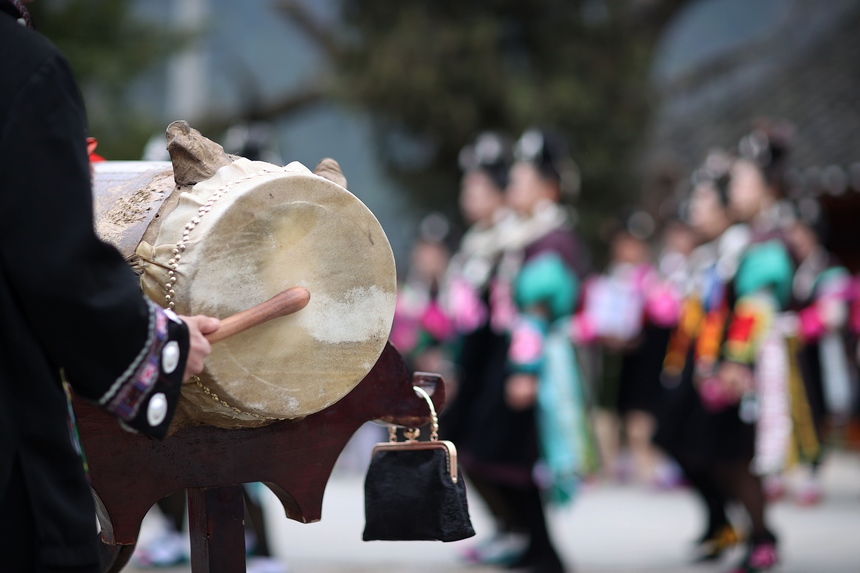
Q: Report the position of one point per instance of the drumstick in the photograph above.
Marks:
(286, 302)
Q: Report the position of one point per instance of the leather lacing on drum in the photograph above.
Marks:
(173, 264)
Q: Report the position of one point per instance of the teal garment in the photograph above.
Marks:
(567, 447)
(766, 266)
(545, 280)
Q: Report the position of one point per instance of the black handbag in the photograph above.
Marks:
(413, 490)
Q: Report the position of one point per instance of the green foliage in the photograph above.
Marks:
(437, 72)
(108, 46)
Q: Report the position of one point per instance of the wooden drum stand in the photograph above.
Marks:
(294, 458)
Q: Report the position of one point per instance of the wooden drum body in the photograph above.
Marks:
(237, 239)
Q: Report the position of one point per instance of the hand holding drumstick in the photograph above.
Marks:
(203, 331)
(198, 346)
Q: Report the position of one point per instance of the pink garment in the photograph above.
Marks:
(415, 312)
(715, 395)
(811, 325)
(435, 322)
(615, 304)
(582, 329)
(526, 343)
(827, 311)
(662, 298)
(466, 307)
(663, 304)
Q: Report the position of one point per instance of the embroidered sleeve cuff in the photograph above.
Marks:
(145, 396)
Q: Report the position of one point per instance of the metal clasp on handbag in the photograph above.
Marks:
(412, 443)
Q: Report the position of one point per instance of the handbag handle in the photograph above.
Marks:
(411, 434)
(434, 419)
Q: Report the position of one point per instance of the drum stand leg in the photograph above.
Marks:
(217, 528)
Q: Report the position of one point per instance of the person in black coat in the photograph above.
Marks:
(71, 314)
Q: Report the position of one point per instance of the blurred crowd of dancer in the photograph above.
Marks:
(716, 349)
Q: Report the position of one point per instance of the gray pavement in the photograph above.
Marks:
(609, 529)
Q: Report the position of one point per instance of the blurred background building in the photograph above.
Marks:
(724, 63)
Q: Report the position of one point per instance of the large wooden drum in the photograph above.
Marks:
(237, 239)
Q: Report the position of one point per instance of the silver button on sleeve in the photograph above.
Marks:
(170, 357)
(156, 411)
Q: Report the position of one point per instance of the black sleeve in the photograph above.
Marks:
(79, 296)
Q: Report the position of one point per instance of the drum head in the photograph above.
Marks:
(253, 230)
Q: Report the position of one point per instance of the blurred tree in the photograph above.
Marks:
(434, 73)
(108, 46)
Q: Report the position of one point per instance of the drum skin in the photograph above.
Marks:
(241, 237)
